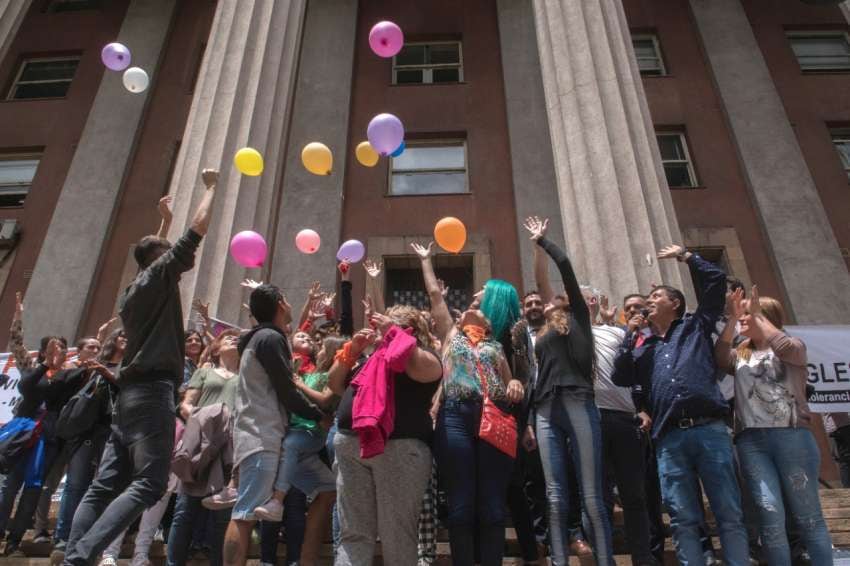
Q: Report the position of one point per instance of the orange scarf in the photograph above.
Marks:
(475, 333)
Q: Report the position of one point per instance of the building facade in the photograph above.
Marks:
(723, 124)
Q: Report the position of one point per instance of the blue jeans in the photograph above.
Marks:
(780, 468)
(475, 475)
(187, 513)
(686, 457)
(81, 469)
(574, 417)
(300, 465)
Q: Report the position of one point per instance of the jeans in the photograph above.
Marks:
(687, 457)
(30, 496)
(148, 525)
(133, 473)
(654, 507)
(780, 468)
(187, 513)
(476, 477)
(623, 448)
(82, 466)
(295, 523)
(574, 417)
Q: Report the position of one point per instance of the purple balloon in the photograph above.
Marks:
(115, 56)
(248, 249)
(386, 39)
(385, 133)
(351, 251)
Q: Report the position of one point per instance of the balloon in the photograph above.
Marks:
(399, 150)
(385, 133)
(136, 79)
(450, 234)
(317, 158)
(115, 56)
(248, 161)
(386, 39)
(248, 249)
(366, 155)
(351, 251)
(307, 241)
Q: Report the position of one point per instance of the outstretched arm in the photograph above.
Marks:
(165, 212)
(577, 305)
(201, 221)
(439, 310)
(537, 228)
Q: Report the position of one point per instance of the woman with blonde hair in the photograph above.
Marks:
(779, 456)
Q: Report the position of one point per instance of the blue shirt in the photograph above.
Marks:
(678, 369)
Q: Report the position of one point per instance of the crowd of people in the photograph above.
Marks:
(552, 407)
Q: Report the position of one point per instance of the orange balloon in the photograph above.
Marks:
(450, 234)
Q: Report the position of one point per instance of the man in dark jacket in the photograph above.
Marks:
(133, 473)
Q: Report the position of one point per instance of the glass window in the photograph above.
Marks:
(404, 285)
(44, 78)
(676, 160)
(429, 168)
(824, 51)
(428, 63)
(841, 140)
(16, 175)
(648, 55)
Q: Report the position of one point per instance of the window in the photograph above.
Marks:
(16, 174)
(648, 54)
(404, 285)
(676, 160)
(841, 140)
(72, 5)
(44, 78)
(429, 168)
(428, 63)
(821, 51)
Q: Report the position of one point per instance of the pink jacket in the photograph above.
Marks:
(373, 411)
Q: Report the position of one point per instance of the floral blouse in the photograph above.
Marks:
(462, 371)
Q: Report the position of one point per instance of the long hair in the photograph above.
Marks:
(558, 320)
(772, 311)
(500, 305)
(410, 317)
(110, 346)
(332, 345)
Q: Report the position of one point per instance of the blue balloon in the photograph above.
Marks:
(398, 151)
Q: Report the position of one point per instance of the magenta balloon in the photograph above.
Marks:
(307, 241)
(115, 56)
(248, 249)
(385, 133)
(351, 251)
(386, 39)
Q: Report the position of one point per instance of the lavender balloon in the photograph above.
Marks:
(351, 251)
(115, 56)
(385, 133)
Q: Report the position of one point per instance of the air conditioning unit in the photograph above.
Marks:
(9, 231)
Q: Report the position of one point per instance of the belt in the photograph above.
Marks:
(691, 422)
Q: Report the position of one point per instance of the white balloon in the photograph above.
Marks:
(136, 79)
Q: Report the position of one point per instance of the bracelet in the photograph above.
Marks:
(345, 357)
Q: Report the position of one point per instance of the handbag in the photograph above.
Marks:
(497, 427)
(81, 412)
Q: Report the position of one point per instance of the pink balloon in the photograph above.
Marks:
(248, 249)
(308, 241)
(385, 133)
(115, 56)
(386, 39)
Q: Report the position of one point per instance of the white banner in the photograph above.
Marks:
(828, 349)
(9, 394)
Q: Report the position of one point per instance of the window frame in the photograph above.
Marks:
(841, 135)
(15, 156)
(23, 65)
(689, 160)
(440, 142)
(658, 54)
(791, 35)
(428, 68)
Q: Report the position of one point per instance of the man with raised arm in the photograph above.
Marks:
(133, 473)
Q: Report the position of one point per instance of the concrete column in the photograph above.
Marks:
(804, 249)
(12, 13)
(615, 206)
(533, 168)
(66, 266)
(243, 97)
(321, 113)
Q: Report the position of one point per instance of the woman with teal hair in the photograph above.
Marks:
(500, 304)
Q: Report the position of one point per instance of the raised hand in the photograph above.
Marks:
(164, 208)
(536, 227)
(326, 301)
(362, 339)
(672, 251)
(735, 304)
(373, 268)
(19, 306)
(250, 283)
(444, 289)
(210, 177)
(315, 292)
(381, 322)
(422, 251)
(606, 314)
(103, 331)
(202, 309)
(754, 306)
(368, 307)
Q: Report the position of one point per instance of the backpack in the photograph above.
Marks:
(82, 411)
(16, 438)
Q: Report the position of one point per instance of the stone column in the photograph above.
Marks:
(243, 97)
(12, 13)
(66, 266)
(321, 113)
(804, 249)
(615, 206)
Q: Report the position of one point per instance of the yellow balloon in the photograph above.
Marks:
(450, 234)
(317, 158)
(248, 161)
(366, 155)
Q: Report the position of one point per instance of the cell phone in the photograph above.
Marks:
(644, 313)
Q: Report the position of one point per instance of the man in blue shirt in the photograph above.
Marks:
(676, 366)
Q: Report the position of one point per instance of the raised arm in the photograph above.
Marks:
(724, 355)
(439, 310)
(201, 221)
(373, 271)
(346, 314)
(165, 213)
(347, 357)
(313, 295)
(23, 361)
(577, 305)
(537, 228)
(788, 349)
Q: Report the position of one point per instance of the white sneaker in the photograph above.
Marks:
(108, 561)
(224, 499)
(271, 510)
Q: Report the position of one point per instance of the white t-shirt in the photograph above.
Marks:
(762, 398)
(607, 340)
